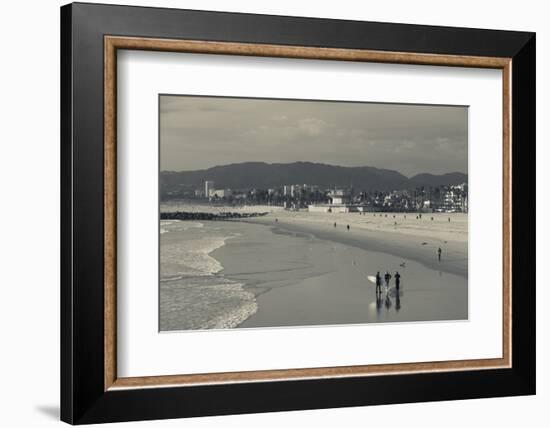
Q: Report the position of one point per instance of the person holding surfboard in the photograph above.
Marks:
(397, 280)
(378, 283)
(387, 278)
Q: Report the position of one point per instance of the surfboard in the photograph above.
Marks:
(372, 278)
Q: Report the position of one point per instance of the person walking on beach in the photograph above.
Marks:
(387, 278)
(334, 224)
(439, 251)
(378, 283)
(348, 226)
(397, 280)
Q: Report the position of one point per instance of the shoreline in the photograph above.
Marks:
(322, 281)
(302, 270)
(454, 257)
(284, 274)
(192, 293)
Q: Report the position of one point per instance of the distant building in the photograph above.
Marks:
(454, 199)
(465, 203)
(320, 208)
(340, 208)
(208, 186)
(339, 197)
(340, 203)
(217, 193)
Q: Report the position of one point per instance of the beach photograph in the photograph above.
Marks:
(290, 213)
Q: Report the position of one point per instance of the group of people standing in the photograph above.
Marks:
(387, 278)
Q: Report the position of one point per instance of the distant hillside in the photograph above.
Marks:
(428, 180)
(263, 176)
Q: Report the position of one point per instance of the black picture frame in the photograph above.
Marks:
(83, 398)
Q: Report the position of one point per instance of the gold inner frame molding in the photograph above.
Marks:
(113, 43)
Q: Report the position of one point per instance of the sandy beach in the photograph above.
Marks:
(295, 268)
(305, 276)
(399, 234)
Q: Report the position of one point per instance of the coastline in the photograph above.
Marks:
(193, 293)
(301, 276)
(298, 269)
(408, 246)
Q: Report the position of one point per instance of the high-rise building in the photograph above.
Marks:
(208, 186)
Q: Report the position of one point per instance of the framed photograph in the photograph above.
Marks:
(319, 213)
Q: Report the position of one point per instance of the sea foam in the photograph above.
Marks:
(194, 294)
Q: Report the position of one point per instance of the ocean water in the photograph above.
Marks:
(217, 274)
(193, 292)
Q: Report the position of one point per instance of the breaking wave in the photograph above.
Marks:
(194, 294)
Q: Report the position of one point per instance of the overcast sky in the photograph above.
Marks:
(201, 132)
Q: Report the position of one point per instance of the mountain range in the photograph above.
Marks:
(263, 175)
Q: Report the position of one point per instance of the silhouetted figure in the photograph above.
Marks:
(378, 283)
(276, 220)
(397, 281)
(439, 251)
(348, 226)
(387, 278)
(334, 224)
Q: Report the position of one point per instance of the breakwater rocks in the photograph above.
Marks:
(183, 215)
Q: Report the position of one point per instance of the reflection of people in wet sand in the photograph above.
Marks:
(439, 251)
(387, 301)
(387, 278)
(397, 280)
(378, 302)
(378, 283)
(397, 302)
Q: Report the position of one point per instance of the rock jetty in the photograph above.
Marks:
(184, 215)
